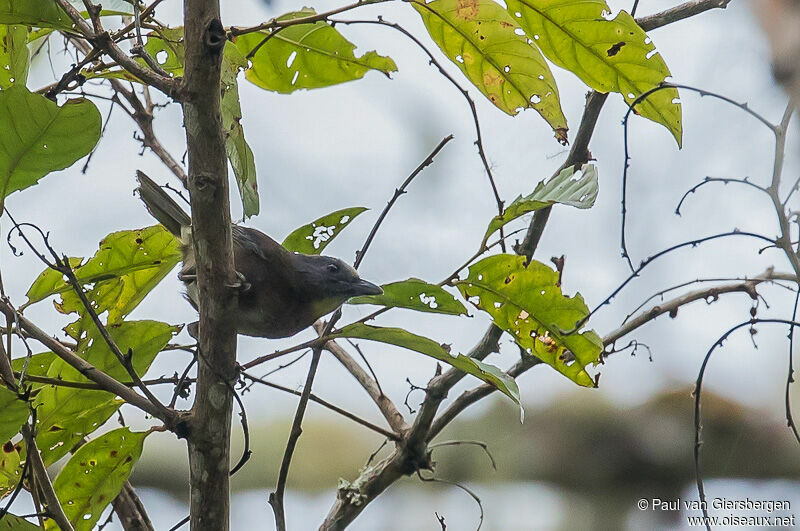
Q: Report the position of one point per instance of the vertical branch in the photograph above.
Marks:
(210, 421)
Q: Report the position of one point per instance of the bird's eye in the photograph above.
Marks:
(333, 268)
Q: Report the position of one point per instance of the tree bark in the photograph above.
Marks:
(210, 420)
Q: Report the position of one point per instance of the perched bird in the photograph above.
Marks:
(282, 292)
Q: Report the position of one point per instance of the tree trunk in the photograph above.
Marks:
(210, 421)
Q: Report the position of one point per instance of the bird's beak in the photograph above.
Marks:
(363, 287)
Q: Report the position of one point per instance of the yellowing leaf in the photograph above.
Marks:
(527, 303)
(484, 42)
(94, 476)
(306, 56)
(608, 55)
(13, 55)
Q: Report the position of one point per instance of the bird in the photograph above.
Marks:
(281, 292)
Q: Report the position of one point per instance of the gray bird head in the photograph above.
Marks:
(328, 281)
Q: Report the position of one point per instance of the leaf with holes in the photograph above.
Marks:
(236, 147)
(67, 414)
(608, 55)
(94, 476)
(11, 522)
(482, 39)
(14, 58)
(36, 365)
(15, 413)
(34, 13)
(314, 237)
(565, 188)
(10, 471)
(414, 294)
(403, 338)
(306, 56)
(527, 303)
(40, 137)
(127, 266)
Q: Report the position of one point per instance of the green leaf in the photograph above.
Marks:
(314, 237)
(38, 364)
(527, 303)
(166, 46)
(236, 147)
(608, 55)
(15, 412)
(414, 294)
(403, 338)
(67, 414)
(36, 13)
(94, 476)
(40, 137)
(480, 37)
(127, 266)
(564, 188)
(13, 55)
(10, 471)
(11, 522)
(110, 7)
(306, 56)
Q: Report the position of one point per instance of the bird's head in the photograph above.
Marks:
(329, 282)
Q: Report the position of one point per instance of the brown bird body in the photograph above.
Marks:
(282, 292)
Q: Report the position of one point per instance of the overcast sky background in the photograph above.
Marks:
(352, 144)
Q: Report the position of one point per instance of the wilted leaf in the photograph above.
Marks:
(236, 147)
(36, 13)
(314, 237)
(40, 137)
(480, 37)
(564, 188)
(414, 294)
(527, 303)
(306, 56)
(94, 476)
(13, 413)
(403, 338)
(13, 55)
(608, 55)
(67, 414)
(128, 265)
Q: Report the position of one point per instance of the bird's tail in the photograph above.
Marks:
(162, 206)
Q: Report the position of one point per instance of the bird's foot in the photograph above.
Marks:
(241, 284)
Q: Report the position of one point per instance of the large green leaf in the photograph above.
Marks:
(67, 414)
(38, 136)
(37, 365)
(10, 470)
(481, 38)
(526, 301)
(13, 55)
(11, 522)
(94, 476)
(306, 56)
(564, 188)
(314, 237)
(403, 338)
(239, 152)
(414, 294)
(608, 55)
(36, 13)
(14, 414)
(127, 266)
